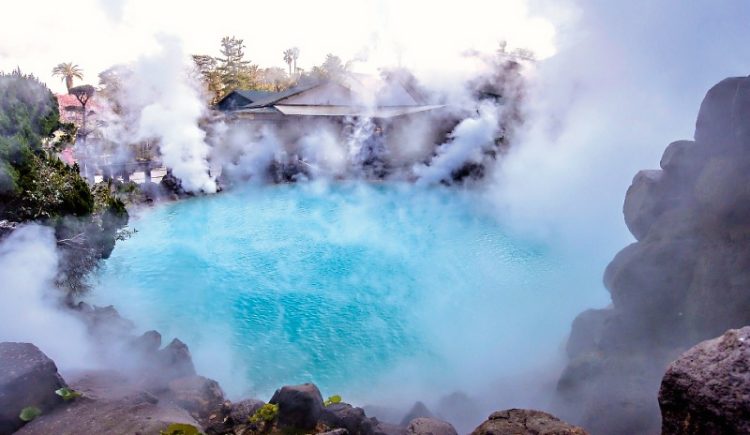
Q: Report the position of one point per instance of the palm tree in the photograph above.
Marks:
(295, 56)
(67, 71)
(288, 58)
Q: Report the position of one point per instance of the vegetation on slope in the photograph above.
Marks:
(35, 185)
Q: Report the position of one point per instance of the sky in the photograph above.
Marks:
(95, 34)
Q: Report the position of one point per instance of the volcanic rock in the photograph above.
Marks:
(722, 119)
(200, 396)
(686, 279)
(300, 406)
(707, 390)
(109, 405)
(525, 422)
(175, 360)
(383, 428)
(148, 343)
(418, 410)
(429, 426)
(344, 415)
(241, 411)
(7, 227)
(28, 378)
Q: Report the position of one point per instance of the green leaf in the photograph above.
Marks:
(29, 413)
(67, 393)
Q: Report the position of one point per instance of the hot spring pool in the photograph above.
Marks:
(364, 290)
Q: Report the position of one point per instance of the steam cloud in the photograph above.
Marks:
(30, 302)
(467, 142)
(165, 105)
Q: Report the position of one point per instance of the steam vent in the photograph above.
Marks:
(685, 279)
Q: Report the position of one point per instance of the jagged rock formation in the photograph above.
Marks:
(707, 390)
(686, 279)
(525, 422)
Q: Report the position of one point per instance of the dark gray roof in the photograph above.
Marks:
(255, 95)
(241, 97)
(272, 99)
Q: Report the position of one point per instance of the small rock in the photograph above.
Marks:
(430, 426)
(300, 406)
(525, 422)
(344, 415)
(7, 227)
(240, 412)
(198, 395)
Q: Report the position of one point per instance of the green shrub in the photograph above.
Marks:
(265, 414)
(331, 400)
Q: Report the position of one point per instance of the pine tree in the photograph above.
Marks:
(233, 69)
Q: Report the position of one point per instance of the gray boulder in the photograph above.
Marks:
(429, 426)
(418, 410)
(241, 411)
(525, 422)
(344, 415)
(27, 378)
(707, 390)
(300, 406)
(175, 360)
(200, 396)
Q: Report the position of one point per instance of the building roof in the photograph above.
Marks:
(348, 95)
(377, 112)
(254, 95)
(70, 108)
(241, 97)
(275, 97)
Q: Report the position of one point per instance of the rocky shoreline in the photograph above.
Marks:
(157, 391)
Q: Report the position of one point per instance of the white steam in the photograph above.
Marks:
(30, 302)
(466, 144)
(168, 107)
(248, 152)
(322, 149)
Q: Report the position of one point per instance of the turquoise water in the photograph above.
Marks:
(365, 290)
